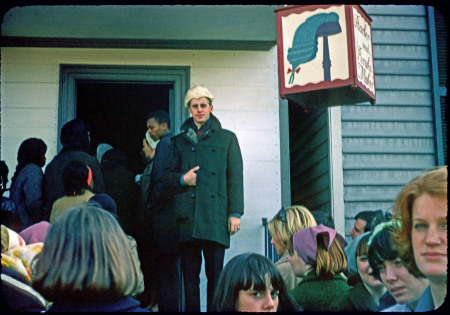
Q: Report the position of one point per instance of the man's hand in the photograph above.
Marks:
(234, 225)
(190, 178)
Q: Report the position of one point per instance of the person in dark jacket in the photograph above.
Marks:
(87, 264)
(120, 185)
(28, 182)
(158, 244)
(204, 172)
(76, 146)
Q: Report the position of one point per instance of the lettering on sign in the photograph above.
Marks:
(363, 50)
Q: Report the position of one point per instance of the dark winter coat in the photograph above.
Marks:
(315, 293)
(202, 211)
(359, 299)
(54, 187)
(120, 185)
(75, 140)
(26, 193)
(126, 304)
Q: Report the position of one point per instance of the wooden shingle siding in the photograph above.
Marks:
(309, 145)
(387, 144)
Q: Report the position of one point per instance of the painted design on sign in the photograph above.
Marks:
(305, 42)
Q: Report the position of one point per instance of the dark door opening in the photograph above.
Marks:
(116, 114)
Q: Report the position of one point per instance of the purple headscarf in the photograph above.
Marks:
(305, 241)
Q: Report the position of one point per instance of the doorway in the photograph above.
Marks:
(115, 100)
(115, 113)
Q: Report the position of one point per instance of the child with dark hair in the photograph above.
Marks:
(78, 184)
(388, 267)
(251, 283)
(28, 180)
(367, 292)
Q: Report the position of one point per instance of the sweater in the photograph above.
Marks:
(316, 293)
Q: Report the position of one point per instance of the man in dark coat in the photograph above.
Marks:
(204, 172)
(76, 144)
(161, 219)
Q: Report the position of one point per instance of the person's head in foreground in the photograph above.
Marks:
(285, 223)
(317, 249)
(422, 208)
(388, 267)
(251, 283)
(85, 259)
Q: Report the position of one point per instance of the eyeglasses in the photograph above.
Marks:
(282, 214)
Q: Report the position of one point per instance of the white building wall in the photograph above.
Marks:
(244, 83)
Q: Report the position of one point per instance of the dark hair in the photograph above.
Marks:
(160, 116)
(243, 272)
(368, 216)
(75, 177)
(113, 158)
(381, 248)
(32, 150)
(75, 136)
(4, 176)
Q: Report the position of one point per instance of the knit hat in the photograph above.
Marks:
(350, 251)
(197, 92)
(105, 202)
(305, 241)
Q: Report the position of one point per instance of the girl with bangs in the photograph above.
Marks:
(405, 286)
(251, 283)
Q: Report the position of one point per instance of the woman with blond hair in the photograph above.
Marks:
(319, 258)
(282, 227)
(422, 208)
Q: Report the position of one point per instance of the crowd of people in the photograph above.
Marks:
(89, 235)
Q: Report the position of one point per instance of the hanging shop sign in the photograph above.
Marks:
(325, 55)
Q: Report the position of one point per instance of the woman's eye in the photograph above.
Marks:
(256, 293)
(275, 293)
(363, 258)
(398, 262)
(380, 268)
(420, 226)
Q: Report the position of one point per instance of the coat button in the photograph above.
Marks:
(213, 173)
(192, 149)
(213, 195)
(213, 150)
(193, 195)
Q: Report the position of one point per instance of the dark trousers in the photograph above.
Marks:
(191, 263)
(169, 283)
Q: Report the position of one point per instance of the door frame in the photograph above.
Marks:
(71, 75)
